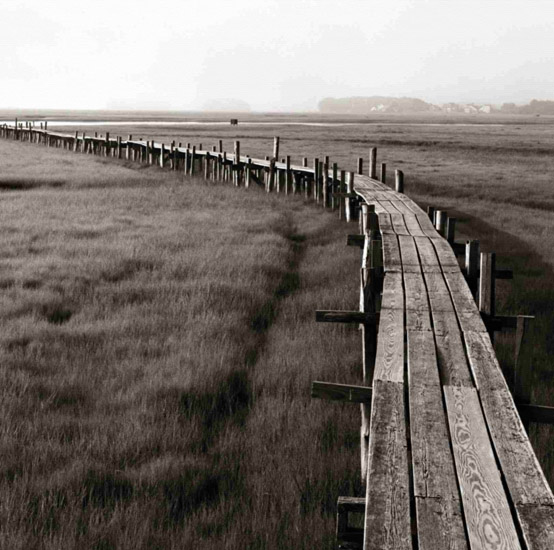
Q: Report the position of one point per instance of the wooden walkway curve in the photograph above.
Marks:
(449, 462)
(445, 456)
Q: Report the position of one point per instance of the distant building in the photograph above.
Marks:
(487, 109)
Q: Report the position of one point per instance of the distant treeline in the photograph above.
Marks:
(535, 107)
(383, 104)
(375, 104)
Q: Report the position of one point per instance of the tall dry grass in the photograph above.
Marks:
(157, 349)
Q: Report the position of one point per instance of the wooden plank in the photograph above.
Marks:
(387, 518)
(393, 292)
(537, 524)
(341, 316)
(385, 223)
(408, 253)
(427, 225)
(520, 467)
(427, 255)
(399, 224)
(433, 464)
(341, 392)
(391, 252)
(488, 518)
(453, 366)
(417, 305)
(389, 361)
(440, 524)
(445, 253)
(436, 285)
(483, 362)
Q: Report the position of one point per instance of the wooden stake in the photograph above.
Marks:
(360, 166)
(472, 264)
(383, 175)
(440, 221)
(399, 181)
(373, 163)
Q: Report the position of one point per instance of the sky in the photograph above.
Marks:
(276, 55)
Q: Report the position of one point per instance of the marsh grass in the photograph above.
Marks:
(158, 348)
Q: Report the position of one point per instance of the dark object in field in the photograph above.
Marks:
(234, 121)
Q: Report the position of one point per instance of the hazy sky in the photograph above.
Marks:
(275, 55)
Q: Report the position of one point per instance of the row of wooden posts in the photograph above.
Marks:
(323, 182)
(328, 186)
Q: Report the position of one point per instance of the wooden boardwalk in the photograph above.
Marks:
(445, 455)
(449, 461)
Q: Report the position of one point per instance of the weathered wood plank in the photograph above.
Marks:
(391, 252)
(433, 464)
(488, 518)
(341, 392)
(520, 467)
(440, 524)
(445, 253)
(399, 224)
(417, 306)
(453, 366)
(393, 292)
(389, 361)
(427, 255)
(537, 523)
(387, 518)
(385, 223)
(483, 362)
(408, 253)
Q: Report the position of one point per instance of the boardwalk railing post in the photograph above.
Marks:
(360, 166)
(451, 230)
(373, 163)
(383, 175)
(349, 207)
(472, 265)
(440, 222)
(399, 181)
(523, 373)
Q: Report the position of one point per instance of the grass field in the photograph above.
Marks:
(158, 348)
(159, 337)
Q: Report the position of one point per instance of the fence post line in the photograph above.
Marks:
(326, 201)
(334, 184)
(248, 172)
(276, 148)
(523, 368)
(360, 166)
(349, 207)
(236, 164)
(192, 160)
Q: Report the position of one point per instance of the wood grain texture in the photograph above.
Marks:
(408, 253)
(385, 223)
(537, 524)
(391, 252)
(432, 460)
(483, 362)
(418, 315)
(399, 224)
(440, 524)
(389, 361)
(427, 255)
(387, 519)
(453, 366)
(520, 467)
(445, 253)
(393, 292)
(487, 513)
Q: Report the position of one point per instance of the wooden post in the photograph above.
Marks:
(342, 200)
(399, 181)
(107, 145)
(440, 221)
(349, 209)
(373, 163)
(118, 147)
(326, 202)
(316, 179)
(192, 160)
(360, 166)
(288, 177)
(383, 175)
(431, 213)
(486, 284)
(523, 373)
(236, 166)
(128, 149)
(451, 230)
(472, 264)
(75, 141)
(276, 148)
(335, 179)
(207, 167)
(271, 176)
(248, 172)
